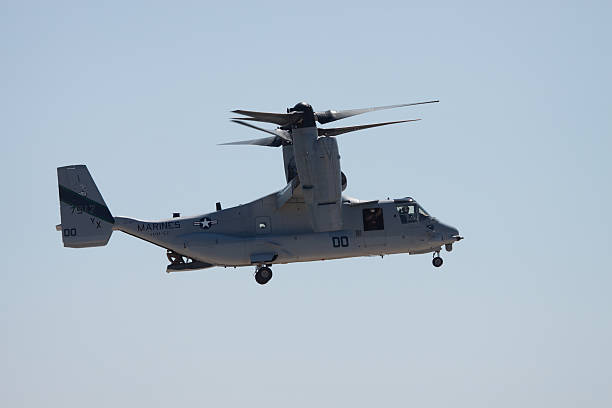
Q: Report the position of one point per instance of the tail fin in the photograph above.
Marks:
(86, 220)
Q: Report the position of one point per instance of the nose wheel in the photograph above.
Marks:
(437, 261)
(263, 275)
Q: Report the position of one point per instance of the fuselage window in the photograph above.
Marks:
(407, 213)
(373, 219)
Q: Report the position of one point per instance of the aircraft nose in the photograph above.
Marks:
(449, 236)
(454, 233)
(451, 233)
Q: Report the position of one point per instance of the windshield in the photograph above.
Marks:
(410, 211)
(423, 213)
(407, 213)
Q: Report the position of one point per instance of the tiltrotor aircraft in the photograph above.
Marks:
(307, 220)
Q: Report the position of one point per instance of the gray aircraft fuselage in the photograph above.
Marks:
(258, 233)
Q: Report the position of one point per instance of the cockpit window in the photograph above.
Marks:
(423, 213)
(407, 213)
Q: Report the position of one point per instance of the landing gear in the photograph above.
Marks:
(437, 261)
(263, 275)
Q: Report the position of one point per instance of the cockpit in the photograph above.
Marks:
(409, 211)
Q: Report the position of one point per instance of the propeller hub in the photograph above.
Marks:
(301, 107)
(308, 117)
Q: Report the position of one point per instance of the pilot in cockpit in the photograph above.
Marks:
(408, 213)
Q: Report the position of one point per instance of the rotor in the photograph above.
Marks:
(301, 116)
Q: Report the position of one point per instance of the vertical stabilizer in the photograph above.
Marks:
(86, 220)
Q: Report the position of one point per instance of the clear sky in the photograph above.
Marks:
(516, 156)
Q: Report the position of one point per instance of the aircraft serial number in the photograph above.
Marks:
(80, 209)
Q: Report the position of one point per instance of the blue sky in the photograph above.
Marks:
(516, 156)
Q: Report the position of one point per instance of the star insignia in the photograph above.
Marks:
(205, 223)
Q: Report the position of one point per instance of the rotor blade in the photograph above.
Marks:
(281, 119)
(339, 131)
(272, 141)
(332, 115)
(276, 132)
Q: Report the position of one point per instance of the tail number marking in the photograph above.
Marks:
(70, 232)
(341, 241)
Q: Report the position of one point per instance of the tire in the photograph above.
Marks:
(263, 275)
(437, 262)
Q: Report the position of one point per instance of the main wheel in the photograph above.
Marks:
(263, 275)
(437, 262)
